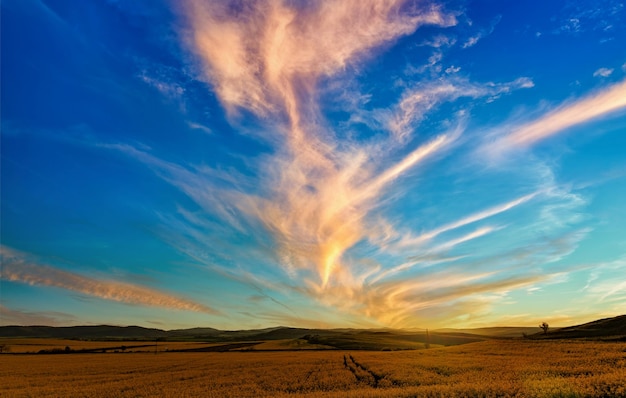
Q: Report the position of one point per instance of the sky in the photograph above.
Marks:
(339, 163)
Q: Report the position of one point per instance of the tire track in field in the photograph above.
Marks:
(314, 370)
(361, 372)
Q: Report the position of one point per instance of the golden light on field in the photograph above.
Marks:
(488, 369)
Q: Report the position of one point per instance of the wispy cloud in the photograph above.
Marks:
(17, 267)
(609, 289)
(472, 40)
(571, 25)
(439, 41)
(259, 55)
(591, 107)
(353, 287)
(201, 127)
(399, 301)
(603, 72)
(168, 89)
(306, 208)
(416, 102)
(267, 58)
(376, 193)
(577, 20)
(408, 241)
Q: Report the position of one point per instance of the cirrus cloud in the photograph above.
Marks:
(17, 267)
(313, 206)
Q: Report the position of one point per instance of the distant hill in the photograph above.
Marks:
(106, 332)
(602, 329)
(390, 339)
(101, 332)
(337, 338)
(605, 329)
(502, 331)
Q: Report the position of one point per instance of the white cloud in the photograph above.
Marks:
(600, 18)
(411, 241)
(472, 41)
(603, 72)
(201, 127)
(483, 33)
(418, 101)
(440, 41)
(170, 90)
(572, 25)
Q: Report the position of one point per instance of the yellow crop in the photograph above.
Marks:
(501, 368)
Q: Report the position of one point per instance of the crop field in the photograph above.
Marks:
(497, 368)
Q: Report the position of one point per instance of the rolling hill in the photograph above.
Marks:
(369, 339)
(601, 329)
(502, 331)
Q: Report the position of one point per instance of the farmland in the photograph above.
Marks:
(516, 368)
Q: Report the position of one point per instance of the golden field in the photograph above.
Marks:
(497, 368)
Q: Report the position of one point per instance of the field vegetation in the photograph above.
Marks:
(493, 368)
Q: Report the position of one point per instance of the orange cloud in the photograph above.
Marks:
(319, 196)
(267, 57)
(565, 116)
(16, 267)
(256, 53)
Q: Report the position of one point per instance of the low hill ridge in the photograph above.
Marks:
(605, 329)
(608, 328)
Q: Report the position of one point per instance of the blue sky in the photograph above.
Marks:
(314, 164)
